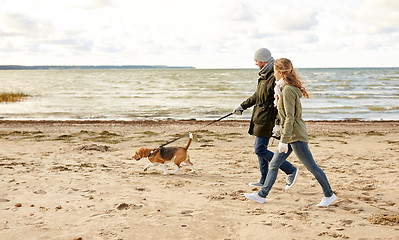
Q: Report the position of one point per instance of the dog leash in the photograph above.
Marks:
(174, 140)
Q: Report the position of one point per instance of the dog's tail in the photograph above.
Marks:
(189, 141)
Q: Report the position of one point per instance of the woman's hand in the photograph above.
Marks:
(276, 132)
(282, 147)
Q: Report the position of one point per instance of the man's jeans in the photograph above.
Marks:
(301, 150)
(265, 156)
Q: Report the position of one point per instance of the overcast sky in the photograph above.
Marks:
(199, 33)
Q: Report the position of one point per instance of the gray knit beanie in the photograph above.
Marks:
(263, 55)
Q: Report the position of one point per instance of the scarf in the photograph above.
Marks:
(277, 90)
(267, 67)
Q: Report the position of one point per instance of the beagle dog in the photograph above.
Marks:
(161, 155)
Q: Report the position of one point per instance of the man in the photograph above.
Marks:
(263, 118)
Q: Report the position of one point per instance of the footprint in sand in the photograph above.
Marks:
(123, 206)
(39, 192)
(187, 213)
(334, 235)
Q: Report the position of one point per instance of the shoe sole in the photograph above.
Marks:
(293, 182)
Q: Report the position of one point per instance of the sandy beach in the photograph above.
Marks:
(77, 180)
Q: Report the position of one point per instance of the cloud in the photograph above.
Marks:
(199, 33)
(110, 48)
(23, 24)
(238, 11)
(88, 4)
(374, 17)
(371, 26)
(19, 32)
(79, 44)
(7, 34)
(293, 19)
(6, 46)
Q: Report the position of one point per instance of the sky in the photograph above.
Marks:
(202, 34)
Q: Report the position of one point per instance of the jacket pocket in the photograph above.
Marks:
(264, 115)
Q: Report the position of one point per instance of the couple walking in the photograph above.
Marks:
(278, 111)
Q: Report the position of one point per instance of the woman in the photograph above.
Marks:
(294, 136)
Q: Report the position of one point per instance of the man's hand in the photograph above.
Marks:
(238, 110)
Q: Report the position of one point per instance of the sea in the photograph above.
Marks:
(366, 94)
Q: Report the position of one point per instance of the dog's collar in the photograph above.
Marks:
(152, 151)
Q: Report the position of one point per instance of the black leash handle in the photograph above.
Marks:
(174, 140)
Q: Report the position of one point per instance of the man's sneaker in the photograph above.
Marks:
(291, 178)
(325, 201)
(255, 197)
(255, 184)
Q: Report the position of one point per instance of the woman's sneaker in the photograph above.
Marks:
(291, 178)
(255, 197)
(326, 201)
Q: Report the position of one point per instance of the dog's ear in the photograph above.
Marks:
(144, 152)
(139, 154)
(139, 151)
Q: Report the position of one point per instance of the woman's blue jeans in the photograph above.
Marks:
(301, 150)
(265, 156)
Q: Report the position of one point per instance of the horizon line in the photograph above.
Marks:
(141, 66)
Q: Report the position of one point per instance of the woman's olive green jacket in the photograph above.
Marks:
(293, 127)
(264, 112)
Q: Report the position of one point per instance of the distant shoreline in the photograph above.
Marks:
(45, 67)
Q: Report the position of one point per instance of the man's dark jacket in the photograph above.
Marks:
(264, 112)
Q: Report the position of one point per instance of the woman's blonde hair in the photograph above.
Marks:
(284, 66)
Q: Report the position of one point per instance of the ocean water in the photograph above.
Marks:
(202, 94)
